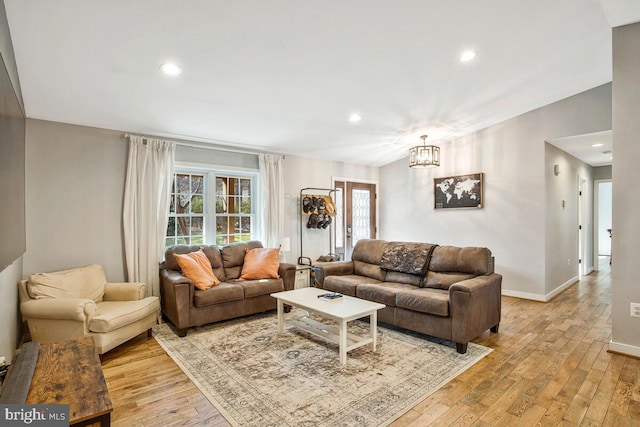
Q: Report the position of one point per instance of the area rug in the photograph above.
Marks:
(256, 378)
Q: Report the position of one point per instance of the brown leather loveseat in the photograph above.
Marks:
(186, 306)
(443, 291)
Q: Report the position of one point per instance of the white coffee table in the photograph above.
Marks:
(342, 310)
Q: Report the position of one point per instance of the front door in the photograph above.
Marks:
(355, 215)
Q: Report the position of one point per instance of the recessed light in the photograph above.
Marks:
(354, 118)
(467, 55)
(171, 69)
(597, 145)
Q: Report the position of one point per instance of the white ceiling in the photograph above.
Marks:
(594, 149)
(284, 75)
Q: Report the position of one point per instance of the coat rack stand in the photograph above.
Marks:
(307, 192)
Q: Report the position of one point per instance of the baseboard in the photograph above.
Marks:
(589, 271)
(542, 298)
(523, 295)
(560, 289)
(628, 350)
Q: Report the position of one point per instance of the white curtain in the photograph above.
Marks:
(146, 208)
(272, 208)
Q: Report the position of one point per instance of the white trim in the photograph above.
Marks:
(542, 298)
(523, 295)
(627, 349)
(557, 291)
(210, 172)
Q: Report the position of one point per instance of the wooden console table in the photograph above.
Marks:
(69, 372)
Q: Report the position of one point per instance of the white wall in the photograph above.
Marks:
(626, 175)
(513, 221)
(303, 172)
(74, 193)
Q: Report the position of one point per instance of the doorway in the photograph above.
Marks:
(583, 227)
(356, 215)
(603, 214)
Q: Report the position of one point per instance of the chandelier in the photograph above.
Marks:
(422, 156)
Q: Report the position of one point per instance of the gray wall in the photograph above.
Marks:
(9, 277)
(602, 172)
(207, 156)
(513, 221)
(561, 243)
(74, 184)
(626, 204)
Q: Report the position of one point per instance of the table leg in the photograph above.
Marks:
(373, 324)
(280, 316)
(343, 342)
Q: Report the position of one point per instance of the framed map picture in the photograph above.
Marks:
(462, 191)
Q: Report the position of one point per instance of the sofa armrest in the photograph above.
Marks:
(125, 291)
(177, 297)
(78, 309)
(288, 273)
(335, 268)
(475, 306)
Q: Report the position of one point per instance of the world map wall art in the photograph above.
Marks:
(462, 191)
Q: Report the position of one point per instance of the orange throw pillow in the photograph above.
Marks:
(196, 267)
(260, 263)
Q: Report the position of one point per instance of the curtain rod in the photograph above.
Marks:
(203, 145)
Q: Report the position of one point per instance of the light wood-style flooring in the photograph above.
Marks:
(549, 367)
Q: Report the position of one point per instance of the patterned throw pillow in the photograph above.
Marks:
(260, 263)
(196, 267)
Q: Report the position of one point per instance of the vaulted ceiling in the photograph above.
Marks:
(286, 75)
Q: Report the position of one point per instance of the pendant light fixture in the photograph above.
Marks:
(422, 156)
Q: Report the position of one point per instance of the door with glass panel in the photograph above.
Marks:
(355, 215)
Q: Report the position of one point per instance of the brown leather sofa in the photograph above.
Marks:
(186, 306)
(443, 291)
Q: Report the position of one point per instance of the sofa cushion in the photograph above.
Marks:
(366, 258)
(424, 300)
(260, 263)
(112, 315)
(84, 282)
(407, 279)
(212, 253)
(346, 284)
(384, 292)
(254, 288)
(445, 280)
(233, 257)
(471, 260)
(407, 257)
(224, 292)
(196, 267)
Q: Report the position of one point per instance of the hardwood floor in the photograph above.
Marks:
(549, 367)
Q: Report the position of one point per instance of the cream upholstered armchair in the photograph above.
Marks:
(72, 303)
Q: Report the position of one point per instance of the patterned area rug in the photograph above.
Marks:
(255, 378)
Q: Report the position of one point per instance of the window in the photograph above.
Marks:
(233, 209)
(210, 207)
(186, 212)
